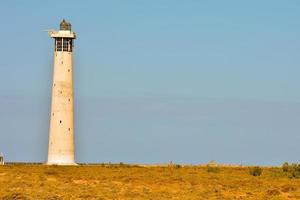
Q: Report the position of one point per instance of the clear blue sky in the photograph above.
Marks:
(157, 81)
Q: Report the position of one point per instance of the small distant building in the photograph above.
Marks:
(1, 159)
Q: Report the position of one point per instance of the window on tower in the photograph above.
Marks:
(70, 45)
(58, 46)
(65, 44)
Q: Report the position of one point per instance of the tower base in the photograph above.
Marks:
(61, 163)
(56, 159)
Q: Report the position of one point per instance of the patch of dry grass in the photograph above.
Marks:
(135, 182)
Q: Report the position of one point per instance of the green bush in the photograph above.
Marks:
(255, 171)
(285, 167)
(292, 171)
(177, 166)
(213, 169)
(122, 165)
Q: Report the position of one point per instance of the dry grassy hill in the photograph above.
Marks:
(137, 182)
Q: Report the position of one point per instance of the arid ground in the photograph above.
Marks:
(148, 182)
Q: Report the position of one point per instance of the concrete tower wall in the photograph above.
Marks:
(61, 137)
(61, 132)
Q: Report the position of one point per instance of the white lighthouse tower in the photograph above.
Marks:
(61, 132)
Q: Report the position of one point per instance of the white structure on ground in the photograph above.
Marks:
(1, 159)
(61, 150)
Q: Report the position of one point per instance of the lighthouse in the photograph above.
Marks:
(61, 150)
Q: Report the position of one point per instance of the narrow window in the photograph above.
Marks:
(69, 129)
(58, 44)
(60, 121)
(70, 45)
(65, 44)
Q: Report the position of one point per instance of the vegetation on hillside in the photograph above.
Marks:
(123, 181)
(255, 171)
(292, 171)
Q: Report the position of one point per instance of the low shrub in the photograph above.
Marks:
(292, 171)
(255, 171)
(121, 164)
(177, 166)
(213, 169)
(285, 167)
